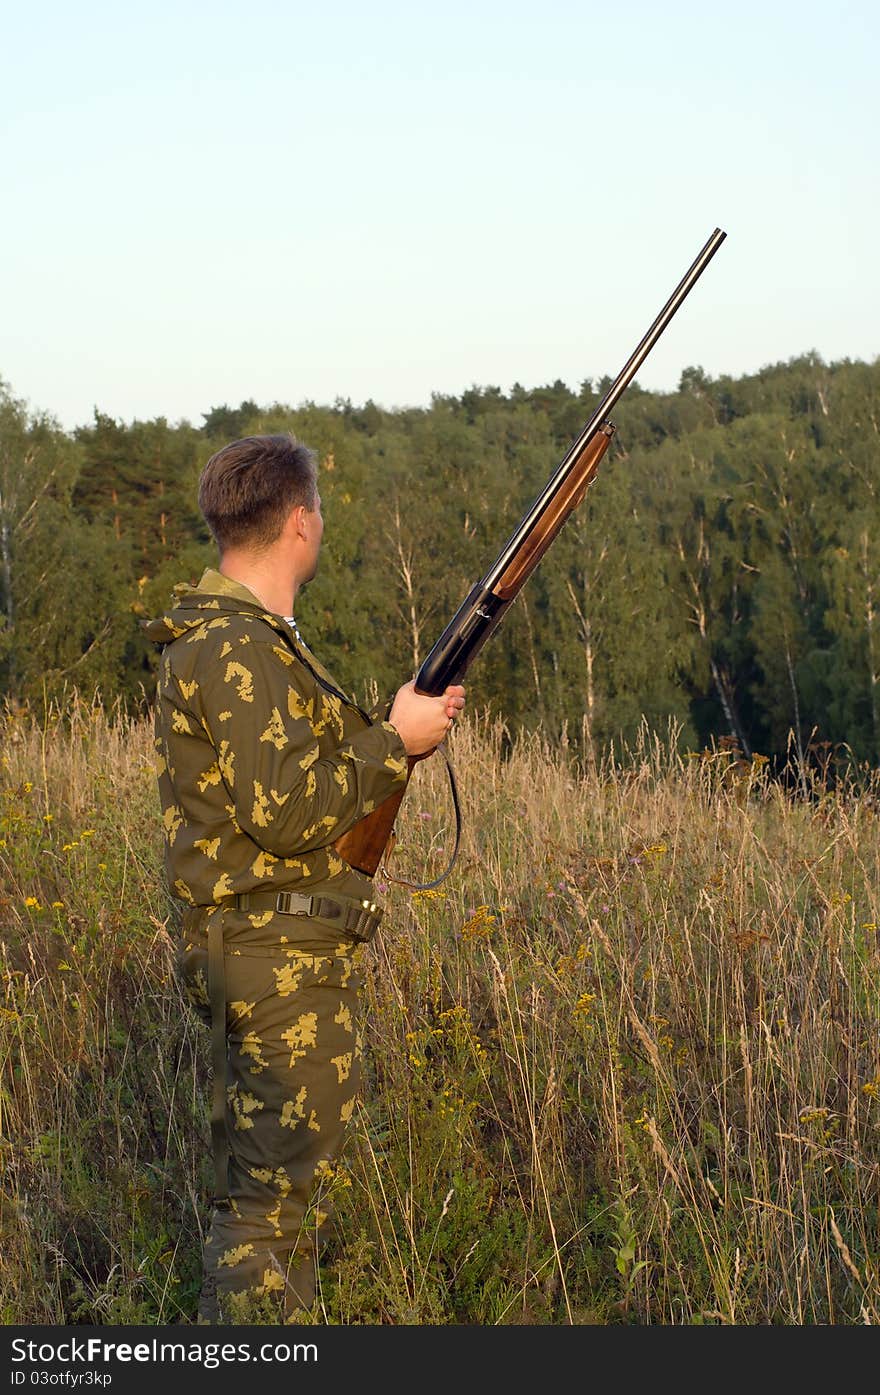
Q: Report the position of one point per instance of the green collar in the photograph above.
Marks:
(214, 583)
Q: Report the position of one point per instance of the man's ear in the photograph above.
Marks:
(298, 520)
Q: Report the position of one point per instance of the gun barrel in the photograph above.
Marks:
(609, 401)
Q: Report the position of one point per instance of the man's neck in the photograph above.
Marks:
(273, 588)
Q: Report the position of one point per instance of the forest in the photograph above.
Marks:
(622, 1067)
(722, 573)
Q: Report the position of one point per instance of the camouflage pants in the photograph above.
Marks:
(292, 1072)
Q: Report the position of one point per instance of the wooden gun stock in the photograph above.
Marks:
(372, 836)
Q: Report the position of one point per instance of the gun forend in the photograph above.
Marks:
(483, 609)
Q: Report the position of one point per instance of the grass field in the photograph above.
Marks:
(623, 1067)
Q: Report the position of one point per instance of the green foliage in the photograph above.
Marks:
(722, 571)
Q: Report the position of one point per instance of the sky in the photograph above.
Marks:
(210, 202)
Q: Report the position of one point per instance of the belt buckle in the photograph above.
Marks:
(284, 899)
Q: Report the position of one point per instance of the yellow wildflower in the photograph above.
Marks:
(584, 1004)
(479, 926)
(812, 1116)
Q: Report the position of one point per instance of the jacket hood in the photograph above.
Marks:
(192, 606)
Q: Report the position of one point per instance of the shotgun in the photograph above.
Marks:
(484, 608)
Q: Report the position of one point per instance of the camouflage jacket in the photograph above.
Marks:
(262, 760)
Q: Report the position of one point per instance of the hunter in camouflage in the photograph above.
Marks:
(263, 761)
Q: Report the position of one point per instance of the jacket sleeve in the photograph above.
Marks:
(269, 730)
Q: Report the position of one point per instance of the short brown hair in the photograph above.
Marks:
(247, 489)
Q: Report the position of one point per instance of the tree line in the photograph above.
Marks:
(723, 571)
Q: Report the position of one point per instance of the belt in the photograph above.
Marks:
(360, 919)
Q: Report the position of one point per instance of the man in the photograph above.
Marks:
(263, 763)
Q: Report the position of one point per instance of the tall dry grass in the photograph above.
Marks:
(623, 1067)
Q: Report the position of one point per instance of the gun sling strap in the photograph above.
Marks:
(453, 788)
